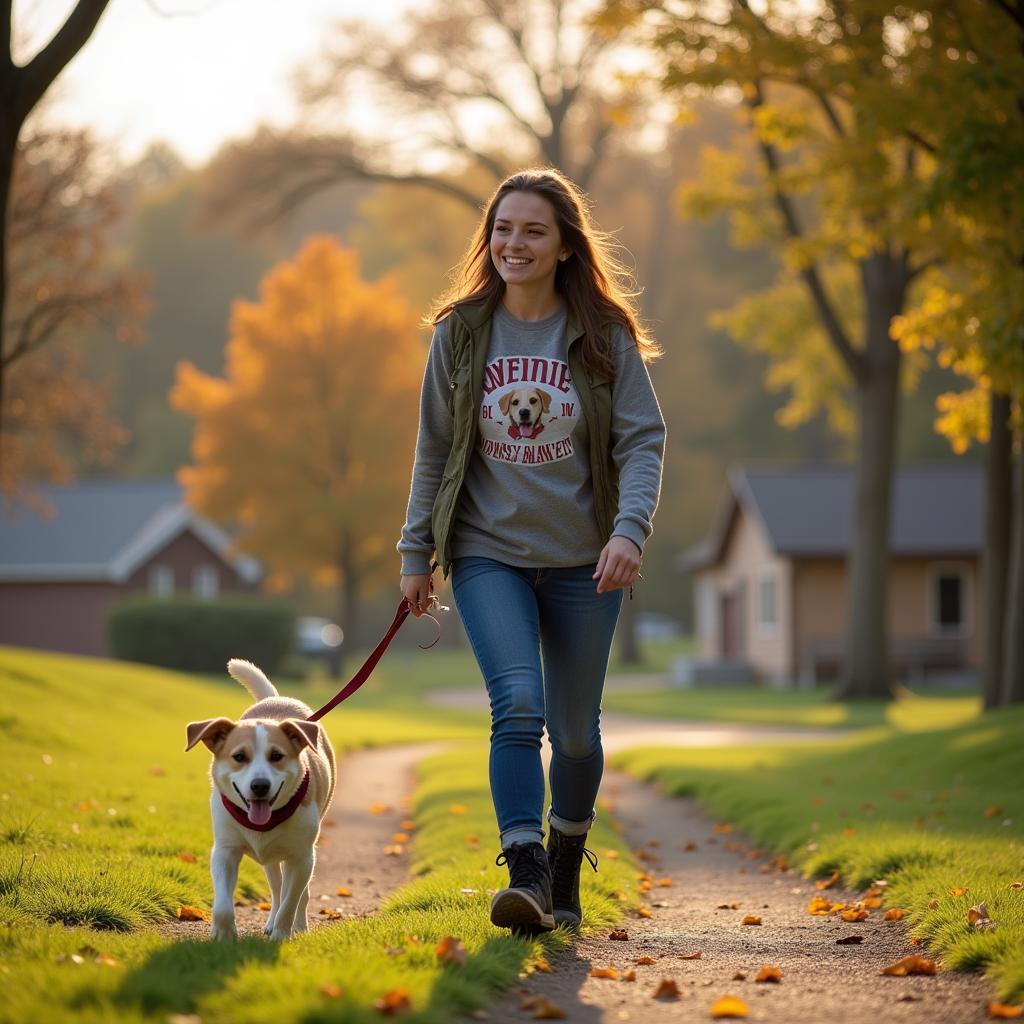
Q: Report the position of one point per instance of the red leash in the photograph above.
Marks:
(371, 662)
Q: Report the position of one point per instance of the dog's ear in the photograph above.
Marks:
(545, 399)
(212, 732)
(301, 732)
(505, 401)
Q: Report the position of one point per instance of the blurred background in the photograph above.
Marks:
(227, 219)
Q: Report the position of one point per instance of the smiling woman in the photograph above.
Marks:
(537, 473)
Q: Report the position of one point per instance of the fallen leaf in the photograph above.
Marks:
(664, 883)
(827, 883)
(1003, 1011)
(958, 890)
(729, 906)
(723, 828)
(909, 965)
(396, 850)
(394, 1002)
(689, 847)
(729, 1006)
(916, 940)
(645, 960)
(611, 854)
(342, 891)
(400, 837)
(654, 842)
(696, 955)
(871, 903)
(1016, 885)
(993, 812)
(819, 906)
(850, 940)
(264, 906)
(893, 914)
(739, 976)
(188, 858)
(932, 904)
(449, 950)
(330, 913)
(751, 919)
(544, 1009)
(629, 976)
(376, 808)
(331, 991)
(652, 858)
(619, 934)
(457, 809)
(852, 916)
(769, 974)
(604, 972)
(186, 913)
(540, 964)
(979, 919)
(643, 912)
(667, 989)
(849, 831)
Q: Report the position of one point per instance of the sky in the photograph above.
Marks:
(207, 74)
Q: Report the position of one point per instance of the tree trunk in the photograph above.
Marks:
(996, 553)
(866, 666)
(8, 144)
(1013, 630)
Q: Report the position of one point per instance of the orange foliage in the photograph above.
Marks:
(307, 441)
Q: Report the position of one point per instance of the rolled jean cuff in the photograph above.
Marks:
(521, 835)
(571, 828)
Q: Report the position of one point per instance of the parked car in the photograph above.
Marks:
(316, 637)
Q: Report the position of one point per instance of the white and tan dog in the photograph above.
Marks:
(525, 408)
(273, 779)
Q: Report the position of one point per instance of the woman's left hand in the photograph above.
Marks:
(618, 566)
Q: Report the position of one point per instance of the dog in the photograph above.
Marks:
(273, 776)
(525, 407)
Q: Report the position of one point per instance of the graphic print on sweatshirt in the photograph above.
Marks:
(529, 410)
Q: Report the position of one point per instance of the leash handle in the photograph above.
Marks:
(371, 662)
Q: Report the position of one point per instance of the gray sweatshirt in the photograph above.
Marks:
(527, 499)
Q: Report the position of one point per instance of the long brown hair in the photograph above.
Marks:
(596, 286)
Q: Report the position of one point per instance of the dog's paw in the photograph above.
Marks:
(223, 931)
(281, 934)
(268, 928)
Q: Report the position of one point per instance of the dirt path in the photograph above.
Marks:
(821, 980)
(370, 803)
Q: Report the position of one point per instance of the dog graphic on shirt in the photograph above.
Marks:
(525, 408)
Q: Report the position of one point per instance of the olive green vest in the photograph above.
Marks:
(470, 335)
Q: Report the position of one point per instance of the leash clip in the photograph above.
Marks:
(434, 603)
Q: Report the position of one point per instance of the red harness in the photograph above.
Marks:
(276, 817)
(284, 813)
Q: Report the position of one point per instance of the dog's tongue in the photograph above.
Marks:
(526, 432)
(259, 811)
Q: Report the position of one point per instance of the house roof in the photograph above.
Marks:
(808, 512)
(103, 531)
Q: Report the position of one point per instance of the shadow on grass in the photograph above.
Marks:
(176, 977)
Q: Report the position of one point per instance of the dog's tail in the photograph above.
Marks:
(251, 678)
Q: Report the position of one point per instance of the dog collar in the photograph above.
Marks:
(276, 817)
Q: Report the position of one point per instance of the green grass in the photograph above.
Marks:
(758, 705)
(101, 799)
(926, 811)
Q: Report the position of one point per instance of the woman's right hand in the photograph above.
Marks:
(417, 590)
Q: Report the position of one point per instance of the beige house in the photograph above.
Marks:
(770, 577)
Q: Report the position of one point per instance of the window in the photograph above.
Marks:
(205, 582)
(767, 610)
(161, 580)
(948, 604)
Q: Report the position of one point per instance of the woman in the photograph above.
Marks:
(537, 473)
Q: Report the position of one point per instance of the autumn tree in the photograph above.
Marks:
(450, 98)
(21, 89)
(306, 443)
(835, 192)
(967, 61)
(63, 287)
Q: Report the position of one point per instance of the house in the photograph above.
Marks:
(62, 564)
(770, 577)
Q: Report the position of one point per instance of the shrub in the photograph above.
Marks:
(200, 636)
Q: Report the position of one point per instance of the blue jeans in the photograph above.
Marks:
(541, 638)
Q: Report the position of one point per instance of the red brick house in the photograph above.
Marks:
(99, 542)
(770, 577)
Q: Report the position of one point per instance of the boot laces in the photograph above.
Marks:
(569, 854)
(527, 864)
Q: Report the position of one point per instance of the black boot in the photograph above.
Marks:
(525, 906)
(565, 856)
